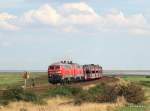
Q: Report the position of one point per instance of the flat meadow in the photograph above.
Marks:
(8, 79)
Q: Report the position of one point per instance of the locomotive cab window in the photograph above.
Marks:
(51, 67)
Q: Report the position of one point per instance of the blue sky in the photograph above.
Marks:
(35, 33)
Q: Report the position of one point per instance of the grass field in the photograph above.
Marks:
(15, 78)
(136, 78)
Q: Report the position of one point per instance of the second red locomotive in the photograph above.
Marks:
(67, 71)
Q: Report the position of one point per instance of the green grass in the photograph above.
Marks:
(15, 78)
(12, 79)
(136, 78)
(7, 79)
(67, 91)
(145, 83)
(142, 80)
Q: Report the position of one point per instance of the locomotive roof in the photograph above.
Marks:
(59, 63)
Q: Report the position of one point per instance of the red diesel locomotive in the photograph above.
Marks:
(67, 71)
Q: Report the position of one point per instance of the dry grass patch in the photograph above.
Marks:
(61, 104)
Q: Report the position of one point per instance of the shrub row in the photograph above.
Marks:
(108, 93)
(133, 93)
(19, 94)
(100, 93)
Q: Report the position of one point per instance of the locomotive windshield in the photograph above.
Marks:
(51, 67)
(54, 67)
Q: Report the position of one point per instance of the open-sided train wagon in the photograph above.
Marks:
(92, 71)
(66, 71)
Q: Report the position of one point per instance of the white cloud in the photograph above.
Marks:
(72, 16)
(45, 15)
(118, 19)
(137, 20)
(82, 14)
(79, 13)
(6, 16)
(7, 26)
(81, 6)
(82, 19)
(71, 13)
(139, 31)
(5, 22)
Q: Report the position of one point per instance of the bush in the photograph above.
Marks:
(19, 94)
(30, 96)
(13, 94)
(96, 92)
(90, 95)
(109, 94)
(83, 96)
(133, 93)
(99, 93)
(64, 91)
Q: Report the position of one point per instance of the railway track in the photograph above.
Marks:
(42, 88)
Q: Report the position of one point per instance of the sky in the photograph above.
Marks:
(112, 33)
